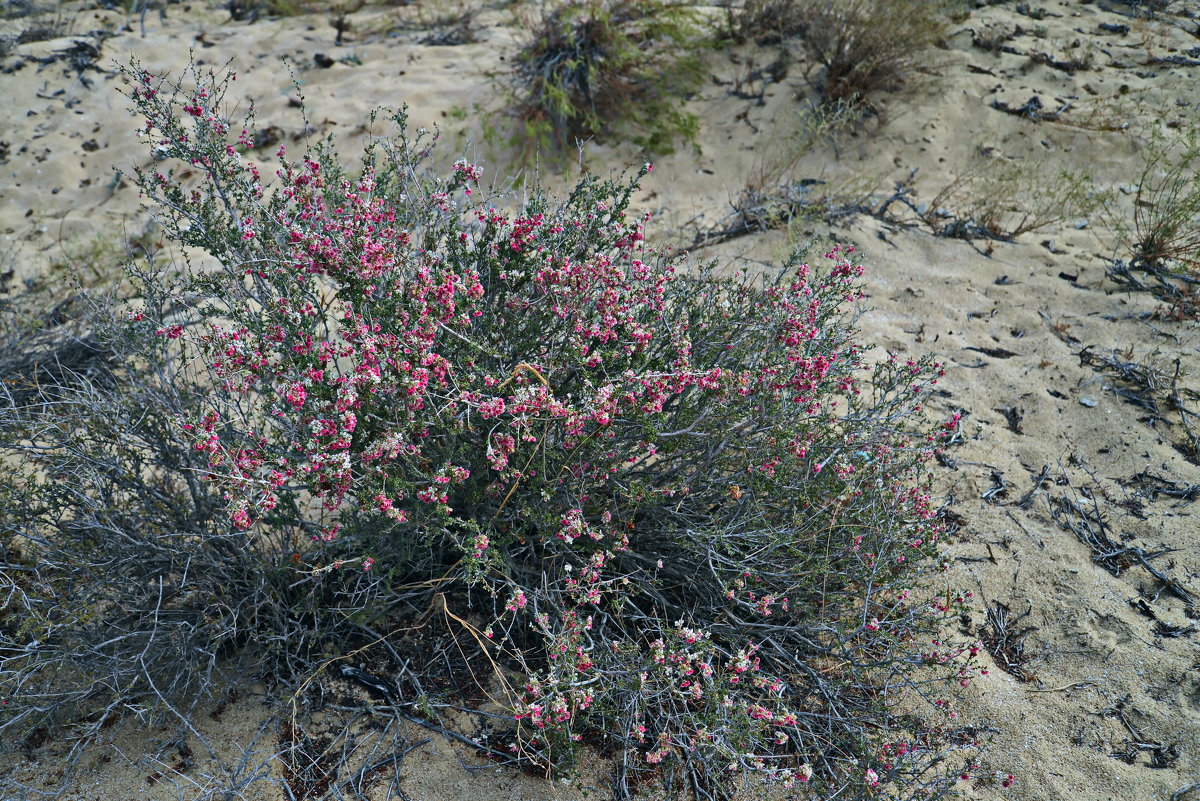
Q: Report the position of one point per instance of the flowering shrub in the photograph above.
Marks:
(687, 511)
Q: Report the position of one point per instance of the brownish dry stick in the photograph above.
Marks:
(1087, 682)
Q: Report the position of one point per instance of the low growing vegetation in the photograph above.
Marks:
(851, 51)
(765, 22)
(868, 46)
(601, 68)
(997, 198)
(1164, 241)
(681, 518)
(1166, 209)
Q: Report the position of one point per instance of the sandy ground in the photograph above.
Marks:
(1107, 705)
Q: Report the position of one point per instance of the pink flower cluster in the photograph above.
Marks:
(527, 385)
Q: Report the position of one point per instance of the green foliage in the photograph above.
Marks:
(999, 198)
(1166, 213)
(617, 69)
(1163, 244)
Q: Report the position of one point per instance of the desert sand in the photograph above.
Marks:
(1106, 701)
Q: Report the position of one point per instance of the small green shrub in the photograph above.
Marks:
(998, 198)
(867, 46)
(1166, 209)
(764, 21)
(615, 69)
(1163, 242)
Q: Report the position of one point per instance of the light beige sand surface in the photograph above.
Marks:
(1111, 709)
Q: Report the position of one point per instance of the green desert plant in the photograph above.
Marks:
(999, 198)
(866, 46)
(1166, 208)
(1163, 241)
(616, 69)
(764, 21)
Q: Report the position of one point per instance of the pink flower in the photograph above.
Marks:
(517, 601)
(491, 408)
(296, 394)
(871, 778)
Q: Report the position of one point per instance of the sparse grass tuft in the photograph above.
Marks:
(1164, 241)
(24, 21)
(774, 195)
(998, 198)
(1166, 209)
